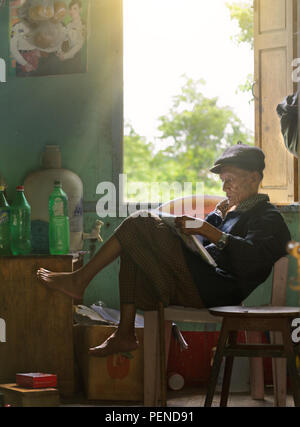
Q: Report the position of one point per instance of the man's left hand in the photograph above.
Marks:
(189, 225)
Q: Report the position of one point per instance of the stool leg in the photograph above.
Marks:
(216, 364)
(257, 385)
(227, 371)
(162, 353)
(279, 373)
(151, 368)
(291, 361)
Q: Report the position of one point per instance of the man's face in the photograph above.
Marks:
(238, 184)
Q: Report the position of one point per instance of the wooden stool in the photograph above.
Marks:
(238, 318)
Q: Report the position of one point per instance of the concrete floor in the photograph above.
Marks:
(193, 398)
(188, 397)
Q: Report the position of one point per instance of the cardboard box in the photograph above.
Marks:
(17, 396)
(117, 377)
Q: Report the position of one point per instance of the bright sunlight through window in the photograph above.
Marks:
(188, 72)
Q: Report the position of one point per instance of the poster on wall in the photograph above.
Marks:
(48, 37)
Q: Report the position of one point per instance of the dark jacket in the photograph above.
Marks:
(257, 239)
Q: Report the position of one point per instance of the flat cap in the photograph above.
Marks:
(242, 156)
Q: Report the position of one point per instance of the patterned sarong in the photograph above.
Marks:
(153, 265)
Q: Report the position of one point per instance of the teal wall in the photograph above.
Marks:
(80, 112)
(83, 114)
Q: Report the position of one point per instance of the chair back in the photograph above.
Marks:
(195, 205)
(279, 283)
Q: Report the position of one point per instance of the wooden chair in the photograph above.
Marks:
(238, 318)
(157, 324)
(157, 334)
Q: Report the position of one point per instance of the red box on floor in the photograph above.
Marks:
(36, 380)
(194, 364)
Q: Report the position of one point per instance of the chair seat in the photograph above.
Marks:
(187, 314)
(262, 312)
(268, 318)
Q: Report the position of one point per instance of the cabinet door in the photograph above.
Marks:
(39, 321)
(275, 47)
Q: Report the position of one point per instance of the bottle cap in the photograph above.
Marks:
(2, 188)
(20, 188)
(57, 183)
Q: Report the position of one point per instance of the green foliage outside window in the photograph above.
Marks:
(193, 132)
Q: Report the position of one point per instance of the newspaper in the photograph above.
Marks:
(99, 314)
(193, 242)
(113, 316)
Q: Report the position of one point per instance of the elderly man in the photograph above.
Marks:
(245, 235)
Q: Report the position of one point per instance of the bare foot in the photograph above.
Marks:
(68, 283)
(115, 344)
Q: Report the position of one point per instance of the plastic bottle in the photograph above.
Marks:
(59, 228)
(20, 224)
(4, 224)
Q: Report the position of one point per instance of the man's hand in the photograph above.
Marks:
(189, 225)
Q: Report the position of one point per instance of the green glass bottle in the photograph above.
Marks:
(20, 224)
(4, 224)
(59, 228)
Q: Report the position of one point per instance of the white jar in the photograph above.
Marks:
(38, 187)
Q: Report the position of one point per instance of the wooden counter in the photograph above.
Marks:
(39, 335)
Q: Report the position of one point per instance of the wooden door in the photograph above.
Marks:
(275, 47)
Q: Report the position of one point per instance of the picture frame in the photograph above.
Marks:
(48, 37)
